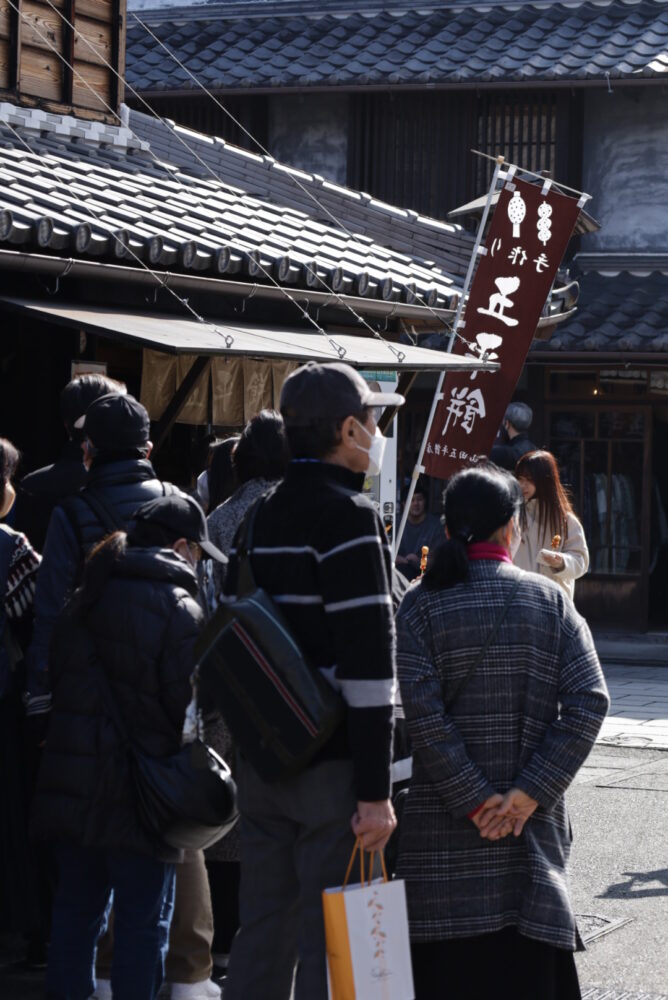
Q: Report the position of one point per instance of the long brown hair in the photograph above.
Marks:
(540, 467)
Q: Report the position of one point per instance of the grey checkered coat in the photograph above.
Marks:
(527, 718)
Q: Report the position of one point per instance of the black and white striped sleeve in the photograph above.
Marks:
(354, 570)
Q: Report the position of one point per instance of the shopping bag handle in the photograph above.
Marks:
(363, 880)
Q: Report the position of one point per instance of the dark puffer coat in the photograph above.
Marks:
(74, 529)
(144, 628)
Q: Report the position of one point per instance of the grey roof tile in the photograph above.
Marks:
(127, 194)
(237, 49)
(625, 313)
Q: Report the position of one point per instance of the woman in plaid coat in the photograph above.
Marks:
(497, 739)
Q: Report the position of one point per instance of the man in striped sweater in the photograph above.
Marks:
(321, 552)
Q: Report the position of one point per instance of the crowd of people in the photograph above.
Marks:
(109, 575)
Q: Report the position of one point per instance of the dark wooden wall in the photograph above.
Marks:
(33, 40)
(414, 149)
(203, 115)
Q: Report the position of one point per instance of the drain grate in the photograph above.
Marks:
(593, 926)
(603, 993)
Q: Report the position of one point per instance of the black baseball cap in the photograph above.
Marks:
(117, 423)
(183, 517)
(328, 392)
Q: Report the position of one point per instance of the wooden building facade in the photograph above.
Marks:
(90, 37)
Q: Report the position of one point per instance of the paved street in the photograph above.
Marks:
(639, 712)
(620, 852)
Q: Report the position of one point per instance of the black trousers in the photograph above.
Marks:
(500, 966)
(224, 882)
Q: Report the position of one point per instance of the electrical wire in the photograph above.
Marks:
(127, 250)
(340, 351)
(266, 152)
(397, 353)
(229, 339)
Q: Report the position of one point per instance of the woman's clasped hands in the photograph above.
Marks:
(502, 815)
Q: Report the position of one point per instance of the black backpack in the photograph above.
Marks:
(279, 710)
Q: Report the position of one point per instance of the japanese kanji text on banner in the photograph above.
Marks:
(526, 241)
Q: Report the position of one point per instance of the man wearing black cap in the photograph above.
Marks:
(116, 449)
(321, 552)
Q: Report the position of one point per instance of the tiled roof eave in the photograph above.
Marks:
(124, 274)
(623, 314)
(456, 45)
(524, 83)
(131, 204)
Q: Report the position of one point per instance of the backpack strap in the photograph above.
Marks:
(488, 641)
(103, 510)
(105, 513)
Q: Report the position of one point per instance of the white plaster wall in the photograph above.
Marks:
(625, 168)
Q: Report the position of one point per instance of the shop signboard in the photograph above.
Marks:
(527, 238)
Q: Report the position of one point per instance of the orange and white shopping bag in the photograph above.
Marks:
(366, 930)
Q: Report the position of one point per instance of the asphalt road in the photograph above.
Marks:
(619, 870)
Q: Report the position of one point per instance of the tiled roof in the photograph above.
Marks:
(445, 244)
(626, 313)
(86, 190)
(237, 47)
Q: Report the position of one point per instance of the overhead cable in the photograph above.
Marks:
(398, 354)
(340, 351)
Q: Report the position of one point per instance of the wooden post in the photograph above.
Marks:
(14, 67)
(163, 426)
(116, 84)
(69, 13)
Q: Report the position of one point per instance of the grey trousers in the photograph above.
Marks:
(296, 841)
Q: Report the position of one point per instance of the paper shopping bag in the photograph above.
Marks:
(366, 932)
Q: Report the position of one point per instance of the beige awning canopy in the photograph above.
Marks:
(173, 335)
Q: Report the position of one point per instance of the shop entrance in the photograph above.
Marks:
(604, 455)
(658, 550)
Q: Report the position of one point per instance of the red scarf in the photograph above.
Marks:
(488, 550)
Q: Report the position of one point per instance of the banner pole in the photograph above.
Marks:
(532, 173)
(419, 468)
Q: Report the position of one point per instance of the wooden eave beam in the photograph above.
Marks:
(14, 67)
(199, 369)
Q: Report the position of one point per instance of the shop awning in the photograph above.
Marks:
(173, 335)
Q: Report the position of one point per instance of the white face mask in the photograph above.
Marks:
(375, 451)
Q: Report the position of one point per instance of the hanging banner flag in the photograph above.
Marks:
(527, 239)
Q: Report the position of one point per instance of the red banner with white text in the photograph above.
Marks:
(527, 239)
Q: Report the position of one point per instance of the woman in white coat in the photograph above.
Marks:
(553, 542)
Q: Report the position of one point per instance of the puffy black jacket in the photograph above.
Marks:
(144, 628)
(73, 530)
(42, 490)
(508, 455)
